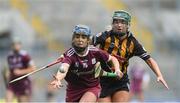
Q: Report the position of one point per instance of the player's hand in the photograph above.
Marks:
(119, 74)
(161, 79)
(56, 83)
(17, 72)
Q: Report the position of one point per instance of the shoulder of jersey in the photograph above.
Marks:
(10, 53)
(22, 52)
(130, 35)
(93, 48)
(70, 52)
(105, 33)
(98, 34)
(102, 33)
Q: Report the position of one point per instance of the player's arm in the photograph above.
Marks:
(5, 74)
(141, 52)
(62, 71)
(60, 75)
(30, 68)
(155, 68)
(116, 65)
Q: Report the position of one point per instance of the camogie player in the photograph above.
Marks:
(121, 43)
(19, 63)
(78, 68)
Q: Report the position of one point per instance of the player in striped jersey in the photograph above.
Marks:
(78, 65)
(121, 43)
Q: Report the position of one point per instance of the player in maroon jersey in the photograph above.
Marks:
(137, 73)
(19, 63)
(78, 66)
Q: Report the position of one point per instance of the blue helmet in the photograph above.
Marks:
(82, 29)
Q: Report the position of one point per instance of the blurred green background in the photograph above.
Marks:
(45, 28)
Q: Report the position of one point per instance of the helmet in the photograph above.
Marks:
(82, 29)
(15, 43)
(121, 14)
(16, 40)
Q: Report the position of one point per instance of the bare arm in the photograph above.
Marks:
(155, 68)
(61, 75)
(24, 71)
(116, 65)
(56, 83)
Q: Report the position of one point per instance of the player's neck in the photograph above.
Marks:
(84, 53)
(123, 37)
(16, 51)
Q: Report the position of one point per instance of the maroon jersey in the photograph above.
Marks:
(137, 74)
(19, 60)
(81, 70)
(80, 77)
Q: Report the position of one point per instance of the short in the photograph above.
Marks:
(75, 94)
(20, 88)
(111, 85)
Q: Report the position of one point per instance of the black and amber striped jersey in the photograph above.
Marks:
(122, 49)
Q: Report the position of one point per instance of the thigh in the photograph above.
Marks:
(88, 97)
(82, 94)
(91, 94)
(120, 96)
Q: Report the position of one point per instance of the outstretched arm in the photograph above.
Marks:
(155, 68)
(60, 75)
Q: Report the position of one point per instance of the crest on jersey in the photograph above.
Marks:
(76, 64)
(93, 61)
(85, 65)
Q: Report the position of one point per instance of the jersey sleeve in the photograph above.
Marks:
(67, 59)
(140, 51)
(103, 58)
(27, 59)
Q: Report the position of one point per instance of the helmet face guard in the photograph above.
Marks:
(125, 18)
(82, 30)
